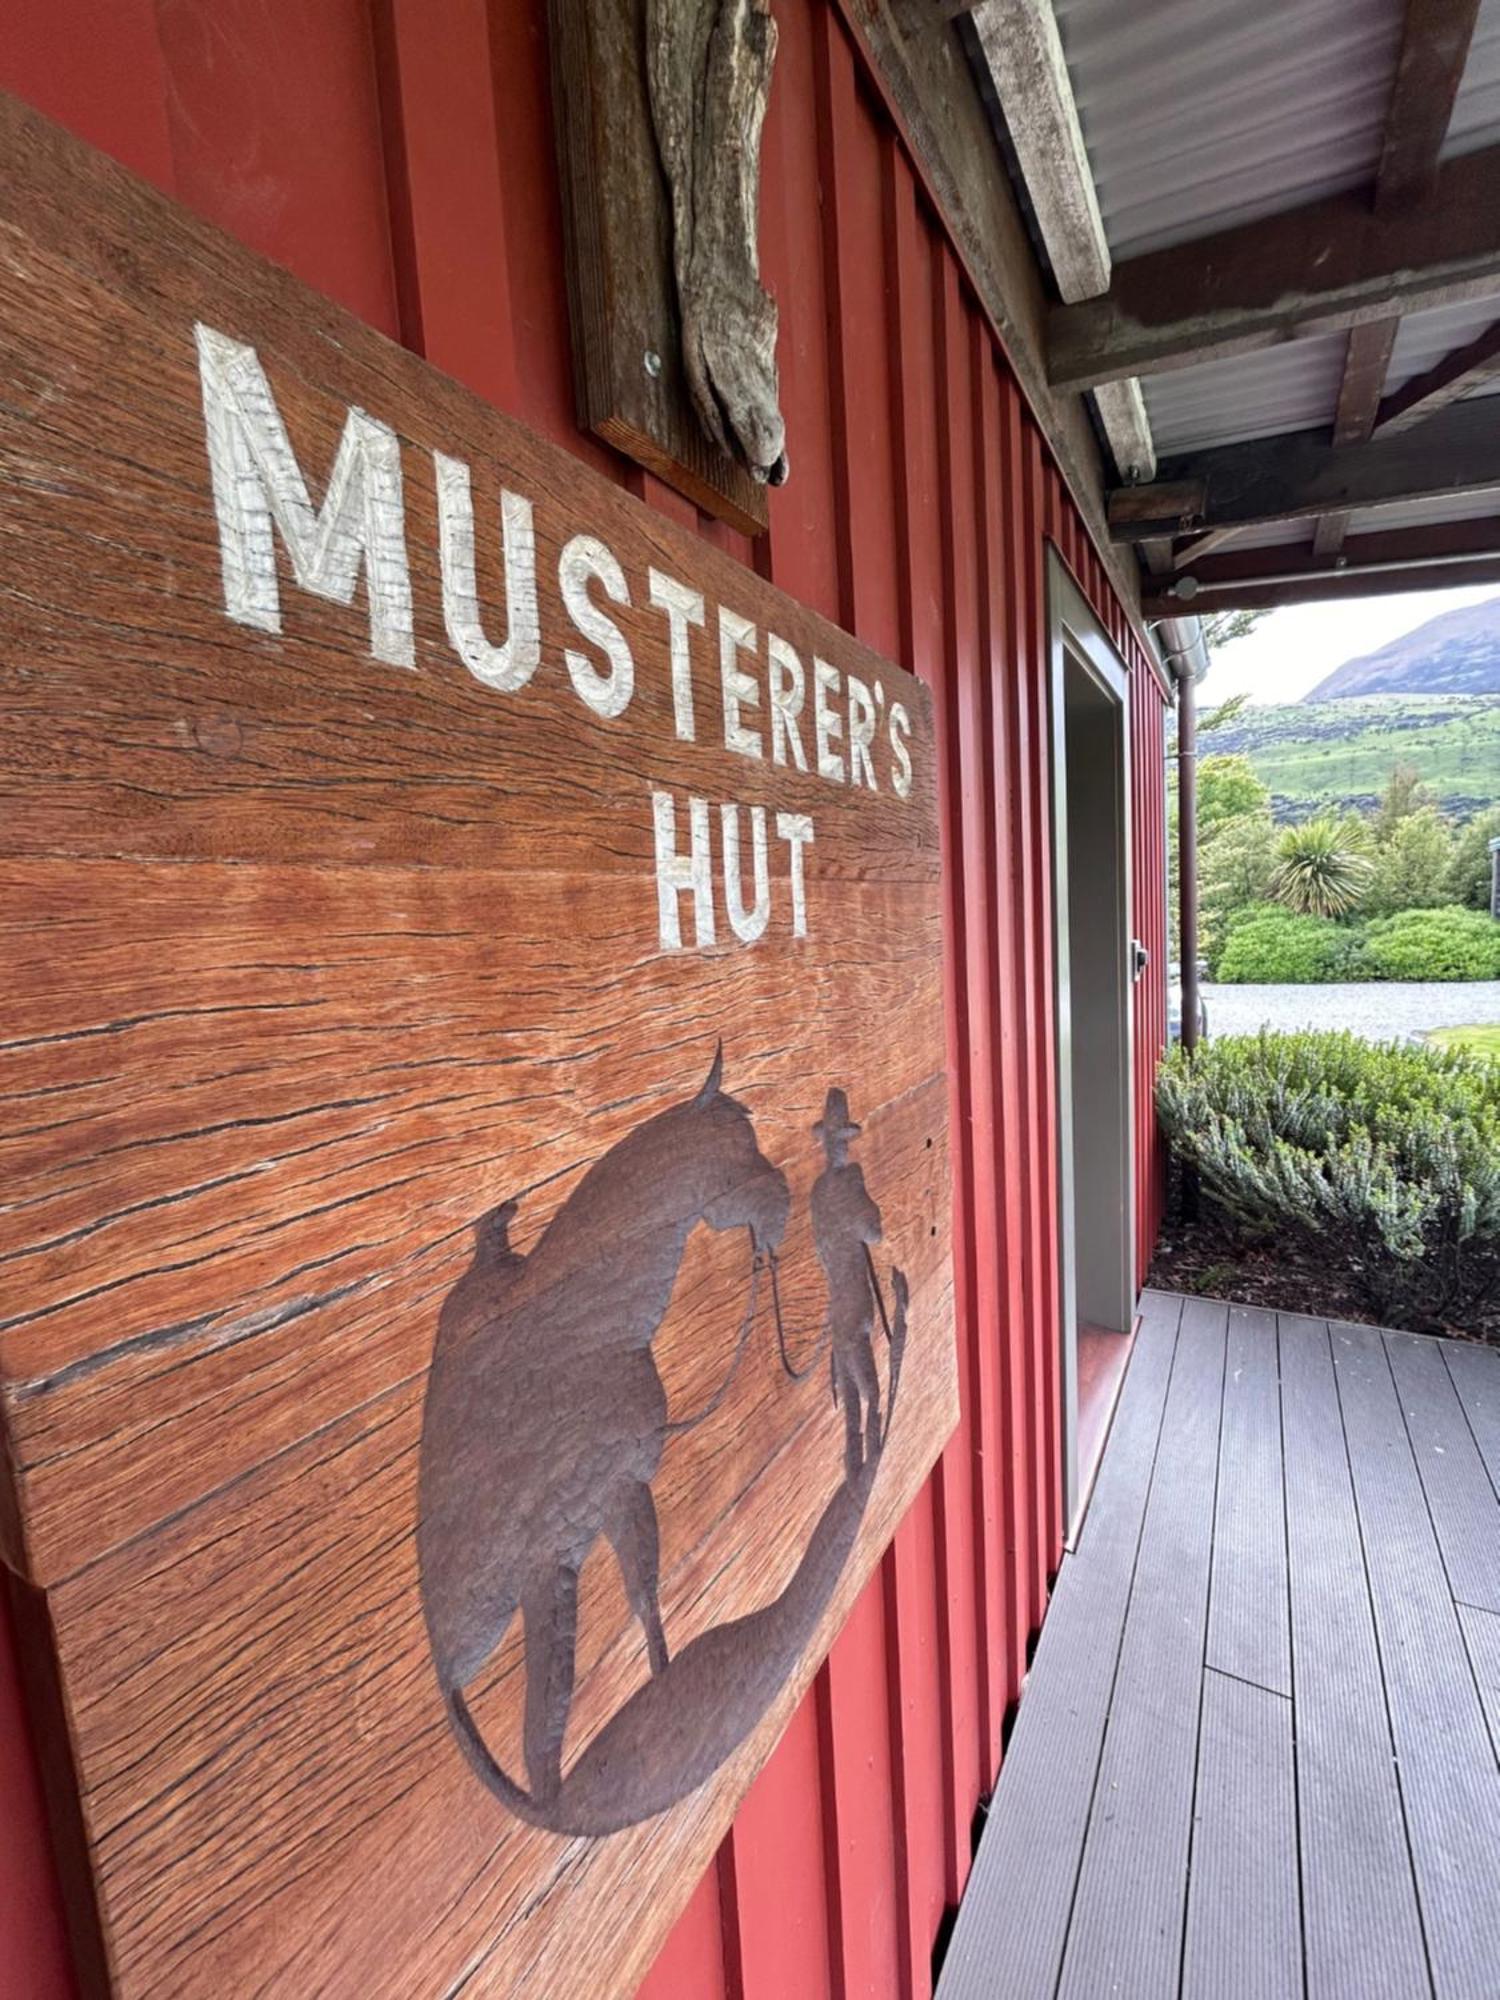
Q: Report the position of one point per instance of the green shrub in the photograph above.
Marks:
(1469, 872)
(1413, 864)
(1267, 944)
(1380, 1161)
(1450, 943)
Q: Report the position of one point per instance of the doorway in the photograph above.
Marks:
(1096, 964)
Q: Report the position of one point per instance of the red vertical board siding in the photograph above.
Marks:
(438, 122)
(1008, 1469)
(275, 125)
(398, 154)
(966, 676)
(931, 1841)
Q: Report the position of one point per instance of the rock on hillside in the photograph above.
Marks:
(1456, 653)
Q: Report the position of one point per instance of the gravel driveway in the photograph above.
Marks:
(1381, 1011)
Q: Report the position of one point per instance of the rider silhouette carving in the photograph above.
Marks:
(845, 1222)
(546, 1418)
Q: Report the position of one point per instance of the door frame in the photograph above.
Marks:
(1076, 636)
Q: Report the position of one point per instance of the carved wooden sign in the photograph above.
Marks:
(476, 1195)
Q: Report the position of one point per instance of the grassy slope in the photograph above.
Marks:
(1341, 752)
(1478, 1041)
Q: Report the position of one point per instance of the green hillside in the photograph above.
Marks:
(1340, 753)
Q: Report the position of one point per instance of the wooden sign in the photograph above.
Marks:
(478, 1289)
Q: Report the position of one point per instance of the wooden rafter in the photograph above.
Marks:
(1434, 49)
(1366, 360)
(1300, 475)
(1459, 371)
(1333, 263)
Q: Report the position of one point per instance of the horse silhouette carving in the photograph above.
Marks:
(544, 1425)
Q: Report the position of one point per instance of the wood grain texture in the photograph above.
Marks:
(628, 363)
(313, 961)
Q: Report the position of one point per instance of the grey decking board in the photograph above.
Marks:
(1088, 1816)
(1460, 1494)
(1362, 1926)
(1450, 1784)
(1476, 1376)
(1244, 1926)
(1247, 1615)
(1015, 1912)
(1126, 1932)
(1481, 1630)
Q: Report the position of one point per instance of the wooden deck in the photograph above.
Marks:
(1258, 1755)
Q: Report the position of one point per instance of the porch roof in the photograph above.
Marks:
(1295, 220)
(1259, 1741)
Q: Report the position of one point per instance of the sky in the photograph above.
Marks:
(1293, 649)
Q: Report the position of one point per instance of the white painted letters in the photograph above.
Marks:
(750, 924)
(900, 730)
(740, 689)
(257, 482)
(683, 607)
(861, 733)
(583, 559)
(796, 829)
(510, 666)
(676, 872)
(826, 725)
(787, 689)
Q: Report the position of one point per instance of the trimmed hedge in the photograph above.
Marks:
(1382, 1161)
(1267, 944)
(1272, 946)
(1451, 943)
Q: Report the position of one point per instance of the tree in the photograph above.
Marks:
(1469, 868)
(1221, 627)
(1318, 873)
(1227, 789)
(1413, 863)
(1404, 794)
(1234, 869)
(1229, 710)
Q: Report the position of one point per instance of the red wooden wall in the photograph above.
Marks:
(398, 155)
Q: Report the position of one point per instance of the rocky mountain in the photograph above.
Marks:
(1455, 653)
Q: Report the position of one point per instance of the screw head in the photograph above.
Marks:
(651, 360)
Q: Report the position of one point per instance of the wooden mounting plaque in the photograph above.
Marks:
(475, 1077)
(617, 228)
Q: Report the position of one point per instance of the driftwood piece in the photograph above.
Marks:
(628, 362)
(708, 65)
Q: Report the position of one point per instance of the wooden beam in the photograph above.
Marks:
(1331, 264)
(1459, 371)
(1127, 429)
(1442, 554)
(1193, 552)
(1300, 475)
(1434, 49)
(1023, 53)
(928, 89)
(1366, 360)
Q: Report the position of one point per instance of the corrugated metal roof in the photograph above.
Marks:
(1476, 112)
(1428, 513)
(1424, 338)
(1199, 114)
(1246, 395)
